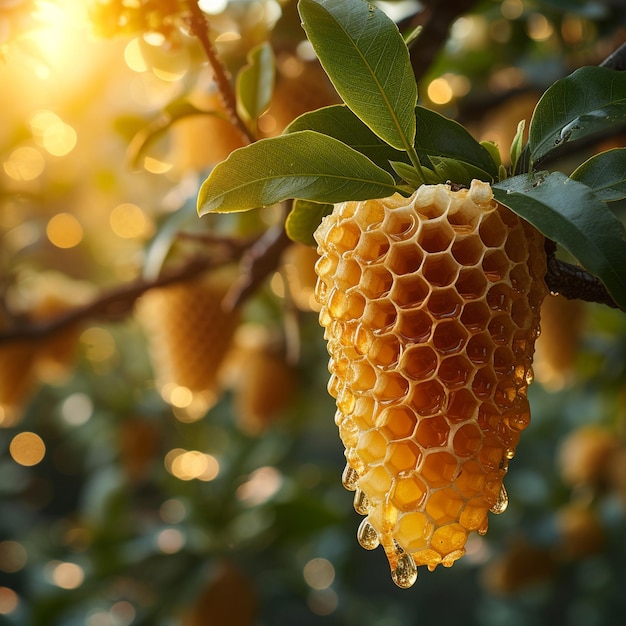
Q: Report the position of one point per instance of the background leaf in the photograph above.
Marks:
(368, 62)
(570, 213)
(605, 173)
(441, 137)
(303, 220)
(305, 165)
(255, 83)
(340, 122)
(589, 100)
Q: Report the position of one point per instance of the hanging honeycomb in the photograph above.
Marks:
(430, 306)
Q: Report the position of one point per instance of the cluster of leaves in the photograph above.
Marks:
(380, 141)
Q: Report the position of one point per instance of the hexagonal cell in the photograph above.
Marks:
(492, 231)
(428, 398)
(501, 329)
(484, 383)
(409, 290)
(372, 247)
(326, 264)
(471, 283)
(479, 348)
(449, 336)
(414, 326)
(413, 531)
(475, 316)
(474, 515)
(345, 235)
(516, 246)
(398, 422)
(371, 447)
(492, 454)
(408, 493)
(379, 314)
(369, 215)
(496, 265)
(435, 236)
(440, 270)
(449, 540)
(404, 258)
(499, 297)
(400, 224)
(348, 433)
(376, 483)
(471, 479)
(439, 469)
(455, 371)
(356, 305)
(384, 350)
(444, 302)
(469, 250)
(364, 413)
(432, 432)
(489, 419)
(467, 440)
(444, 506)
(521, 313)
(390, 386)
(463, 217)
(402, 456)
(361, 376)
(462, 406)
(375, 281)
(504, 361)
(419, 362)
(520, 278)
(347, 273)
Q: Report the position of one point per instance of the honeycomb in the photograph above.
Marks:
(430, 306)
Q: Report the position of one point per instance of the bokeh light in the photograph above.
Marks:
(64, 231)
(9, 601)
(27, 449)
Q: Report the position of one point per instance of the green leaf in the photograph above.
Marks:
(340, 122)
(571, 214)
(255, 83)
(441, 137)
(517, 145)
(306, 165)
(414, 178)
(303, 220)
(456, 171)
(368, 62)
(494, 151)
(589, 100)
(605, 174)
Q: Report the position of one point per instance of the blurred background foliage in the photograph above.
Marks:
(164, 462)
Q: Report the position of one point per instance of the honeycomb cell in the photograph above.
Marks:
(408, 493)
(489, 419)
(410, 290)
(371, 447)
(455, 371)
(326, 265)
(449, 336)
(439, 469)
(471, 479)
(370, 216)
(376, 281)
(414, 326)
(515, 246)
(361, 376)
(479, 348)
(372, 247)
(492, 231)
(475, 316)
(427, 398)
(435, 236)
(444, 506)
(468, 250)
(504, 361)
(348, 433)
(384, 350)
(400, 225)
(356, 306)
(462, 406)
(496, 265)
(419, 362)
(432, 432)
(398, 422)
(390, 386)
(501, 329)
(440, 270)
(364, 413)
(444, 303)
(467, 440)
(499, 297)
(449, 540)
(521, 313)
(484, 383)
(345, 236)
(520, 278)
(491, 454)
(376, 483)
(471, 283)
(404, 258)
(413, 531)
(474, 515)
(402, 457)
(463, 217)
(379, 314)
